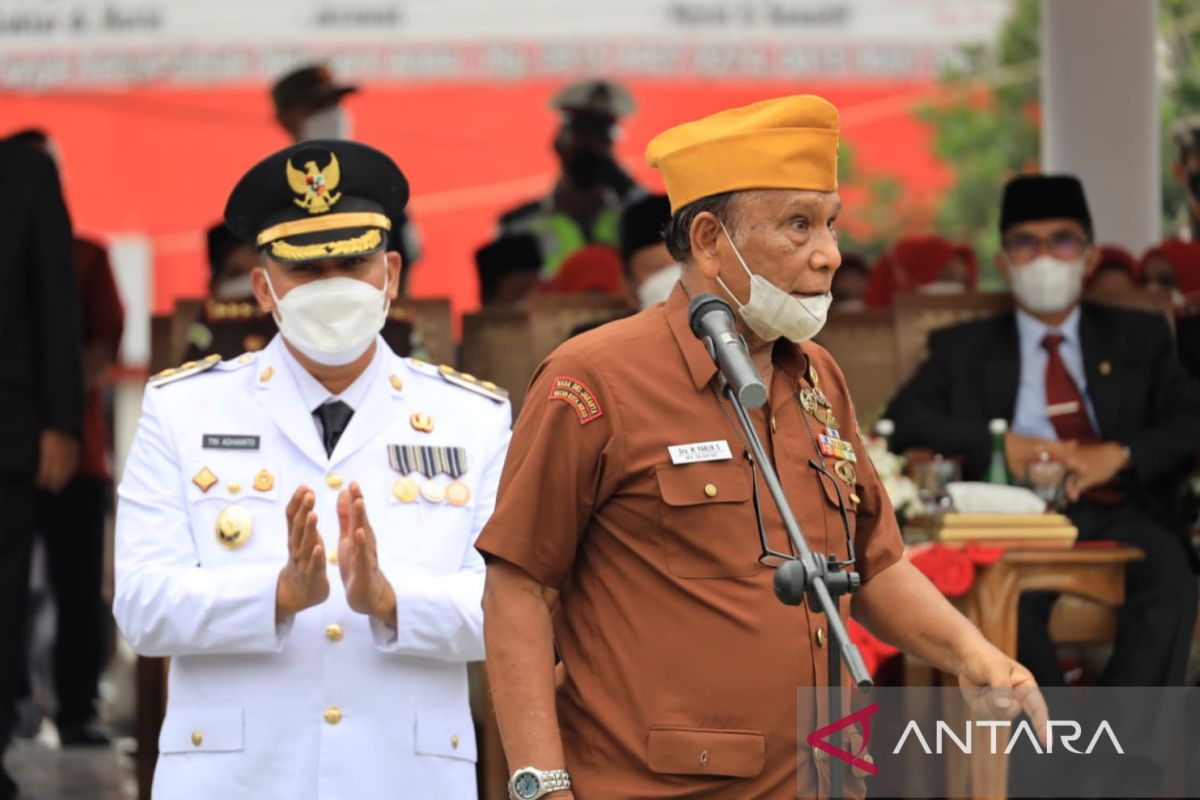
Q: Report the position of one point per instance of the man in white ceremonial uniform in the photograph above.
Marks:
(295, 527)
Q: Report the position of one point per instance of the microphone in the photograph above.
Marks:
(711, 320)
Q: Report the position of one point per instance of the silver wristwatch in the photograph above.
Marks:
(530, 783)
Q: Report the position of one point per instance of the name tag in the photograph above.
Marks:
(225, 441)
(700, 451)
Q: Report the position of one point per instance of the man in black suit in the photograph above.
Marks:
(41, 394)
(1095, 387)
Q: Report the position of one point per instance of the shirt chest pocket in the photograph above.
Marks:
(840, 490)
(706, 520)
(237, 513)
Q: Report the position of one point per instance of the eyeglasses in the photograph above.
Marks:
(1025, 247)
(774, 558)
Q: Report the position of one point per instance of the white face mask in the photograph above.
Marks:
(331, 320)
(239, 288)
(328, 123)
(1047, 285)
(657, 287)
(771, 312)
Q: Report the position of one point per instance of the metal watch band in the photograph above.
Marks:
(555, 780)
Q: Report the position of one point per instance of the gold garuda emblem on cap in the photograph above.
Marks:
(315, 186)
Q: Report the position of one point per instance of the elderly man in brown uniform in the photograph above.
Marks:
(638, 556)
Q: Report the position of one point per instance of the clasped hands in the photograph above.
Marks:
(1087, 465)
(303, 581)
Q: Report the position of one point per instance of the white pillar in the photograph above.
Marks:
(132, 259)
(1100, 117)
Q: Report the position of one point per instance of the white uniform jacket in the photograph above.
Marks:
(329, 705)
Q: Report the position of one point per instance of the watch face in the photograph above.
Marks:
(526, 785)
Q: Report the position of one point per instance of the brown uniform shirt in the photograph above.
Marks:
(680, 669)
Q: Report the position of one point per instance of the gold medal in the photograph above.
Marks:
(433, 492)
(825, 416)
(264, 481)
(234, 526)
(405, 490)
(845, 471)
(458, 494)
(808, 401)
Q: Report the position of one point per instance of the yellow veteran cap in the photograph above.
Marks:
(785, 143)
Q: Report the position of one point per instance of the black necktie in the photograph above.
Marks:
(334, 418)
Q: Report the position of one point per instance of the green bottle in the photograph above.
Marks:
(997, 471)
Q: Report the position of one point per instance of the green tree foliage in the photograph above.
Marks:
(1180, 31)
(987, 128)
(987, 120)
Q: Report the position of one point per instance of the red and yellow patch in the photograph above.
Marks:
(578, 396)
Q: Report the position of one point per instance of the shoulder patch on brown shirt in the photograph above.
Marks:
(578, 395)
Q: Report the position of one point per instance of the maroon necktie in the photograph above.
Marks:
(1068, 412)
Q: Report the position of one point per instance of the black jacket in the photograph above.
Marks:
(41, 372)
(1142, 396)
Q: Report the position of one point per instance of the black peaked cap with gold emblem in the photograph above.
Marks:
(324, 198)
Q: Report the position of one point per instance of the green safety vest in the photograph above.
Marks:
(559, 236)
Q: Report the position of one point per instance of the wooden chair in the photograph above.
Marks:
(497, 345)
(505, 346)
(916, 315)
(554, 317)
(432, 321)
(863, 344)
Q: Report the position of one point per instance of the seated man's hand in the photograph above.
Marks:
(997, 687)
(1020, 450)
(1094, 465)
(367, 590)
(303, 582)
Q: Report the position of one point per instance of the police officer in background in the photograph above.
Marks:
(308, 105)
(295, 526)
(585, 205)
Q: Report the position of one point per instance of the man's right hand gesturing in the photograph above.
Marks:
(303, 582)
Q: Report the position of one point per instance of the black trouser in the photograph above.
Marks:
(16, 544)
(1154, 626)
(71, 524)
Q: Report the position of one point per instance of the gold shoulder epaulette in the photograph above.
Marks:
(185, 370)
(473, 384)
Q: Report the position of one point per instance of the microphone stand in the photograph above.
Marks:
(820, 580)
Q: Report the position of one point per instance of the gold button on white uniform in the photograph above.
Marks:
(333, 480)
(454, 741)
(333, 715)
(333, 632)
(197, 738)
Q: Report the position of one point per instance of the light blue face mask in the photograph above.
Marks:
(772, 313)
